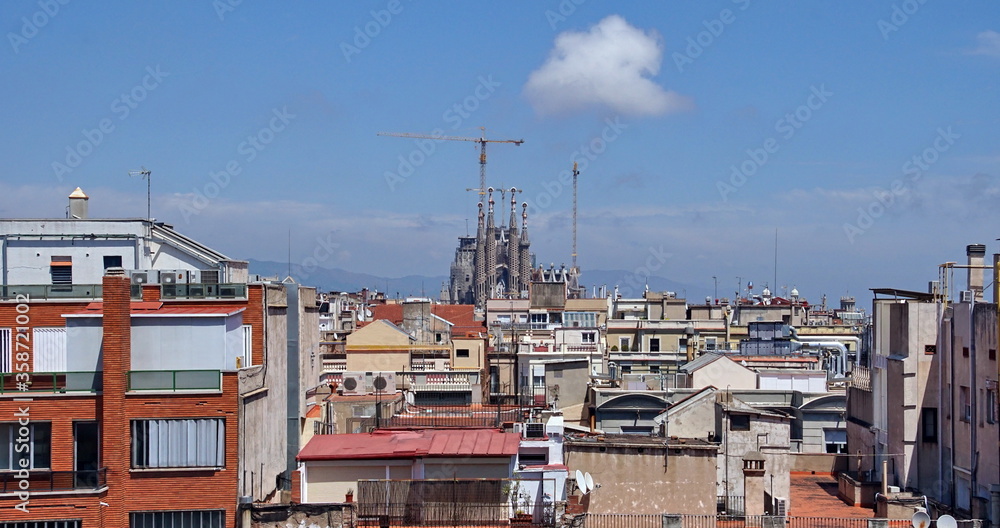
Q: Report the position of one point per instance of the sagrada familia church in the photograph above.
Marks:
(497, 263)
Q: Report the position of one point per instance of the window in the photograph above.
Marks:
(965, 405)
(37, 435)
(196, 442)
(87, 453)
(112, 261)
(623, 343)
(247, 346)
(61, 269)
(462, 352)
(6, 359)
(836, 440)
(588, 338)
(437, 338)
(993, 354)
(965, 351)
(41, 524)
(739, 422)
(654, 344)
(991, 405)
(533, 459)
(177, 519)
(709, 343)
(928, 420)
(930, 349)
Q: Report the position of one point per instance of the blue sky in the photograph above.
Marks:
(819, 107)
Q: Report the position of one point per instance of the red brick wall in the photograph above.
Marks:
(116, 351)
(296, 487)
(128, 489)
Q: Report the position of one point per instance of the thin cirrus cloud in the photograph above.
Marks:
(988, 43)
(609, 66)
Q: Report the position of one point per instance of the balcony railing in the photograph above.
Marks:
(54, 382)
(40, 480)
(36, 292)
(174, 380)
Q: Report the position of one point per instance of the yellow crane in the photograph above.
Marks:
(482, 148)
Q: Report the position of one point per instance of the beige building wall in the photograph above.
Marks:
(647, 482)
(477, 354)
(379, 346)
(329, 481)
(723, 373)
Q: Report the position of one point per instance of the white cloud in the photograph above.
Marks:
(609, 66)
(988, 44)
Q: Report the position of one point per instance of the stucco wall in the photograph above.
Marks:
(647, 482)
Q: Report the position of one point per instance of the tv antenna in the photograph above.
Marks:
(146, 175)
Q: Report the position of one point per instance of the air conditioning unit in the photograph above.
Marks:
(966, 296)
(227, 291)
(780, 507)
(354, 383)
(139, 277)
(196, 290)
(440, 364)
(518, 427)
(194, 276)
(168, 277)
(384, 382)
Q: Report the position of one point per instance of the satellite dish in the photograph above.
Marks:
(921, 520)
(946, 521)
(581, 482)
(590, 482)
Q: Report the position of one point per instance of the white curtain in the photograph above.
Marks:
(49, 349)
(197, 442)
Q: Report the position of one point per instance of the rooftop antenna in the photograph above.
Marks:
(144, 172)
(775, 258)
(575, 174)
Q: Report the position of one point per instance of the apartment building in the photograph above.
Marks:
(150, 382)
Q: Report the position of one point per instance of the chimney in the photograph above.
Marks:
(78, 205)
(976, 254)
(753, 484)
(116, 354)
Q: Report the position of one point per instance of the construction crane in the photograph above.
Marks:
(575, 174)
(482, 148)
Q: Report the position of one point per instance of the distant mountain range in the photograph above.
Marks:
(630, 284)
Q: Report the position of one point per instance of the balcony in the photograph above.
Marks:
(334, 365)
(44, 292)
(203, 291)
(43, 480)
(442, 381)
(51, 382)
(174, 380)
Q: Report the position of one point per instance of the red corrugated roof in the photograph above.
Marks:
(412, 444)
(145, 308)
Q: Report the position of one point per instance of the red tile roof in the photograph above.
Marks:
(156, 309)
(412, 444)
(461, 315)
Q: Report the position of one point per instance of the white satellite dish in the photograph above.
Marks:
(581, 482)
(946, 521)
(590, 482)
(921, 520)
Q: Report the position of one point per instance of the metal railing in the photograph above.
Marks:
(40, 480)
(54, 382)
(35, 292)
(729, 505)
(173, 380)
(616, 520)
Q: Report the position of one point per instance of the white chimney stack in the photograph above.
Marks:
(976, 254)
